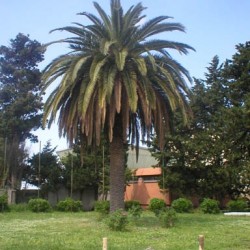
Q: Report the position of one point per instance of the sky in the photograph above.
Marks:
(213, 27)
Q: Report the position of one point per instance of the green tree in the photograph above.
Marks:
(119, 80)
(211, 157)
(84, 167)
(44, 170)
(236, 72)
(20, 100)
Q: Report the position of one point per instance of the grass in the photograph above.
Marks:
(57, 230)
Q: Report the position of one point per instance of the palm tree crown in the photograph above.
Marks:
(115, 76)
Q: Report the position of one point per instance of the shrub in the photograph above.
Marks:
(156, 205)
(102, 207)
(168, 217)
(39, 205)
(135, 211)
(4, 203)
(237, 205)
(69, 205)
(130, 204)
(182, 205)
(117, 221)
(210, 206)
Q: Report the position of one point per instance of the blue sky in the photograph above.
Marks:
(213, 27)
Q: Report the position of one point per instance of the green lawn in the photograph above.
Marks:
(49, 231)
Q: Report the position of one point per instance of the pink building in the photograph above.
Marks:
(145, 186)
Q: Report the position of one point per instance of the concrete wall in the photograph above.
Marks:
(87, 197)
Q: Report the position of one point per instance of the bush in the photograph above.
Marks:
(210, 206)
(168, 217)
(39, 205)
(4, 203)
(237, 205)
(117, 221)
(69, 205)
(102, 207)
(156, 205)
(135, 211)
(182, 205)
(130, 204)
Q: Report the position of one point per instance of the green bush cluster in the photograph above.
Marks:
(39, 205)
(117, 221)
(130, 204)
(134, 209)
(182, 205)
(156, 205)
(102, 207)
(210, 206)
(168, 217)
(135, 212)
(237, 205)
(4, 203)
(69, 205)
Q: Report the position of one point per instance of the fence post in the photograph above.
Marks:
(201, 242)
(105, 244)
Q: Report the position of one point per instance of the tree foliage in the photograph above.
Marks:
(90, 167)
(84, 167)
(20, 100)
(211, 158)
(44, 170)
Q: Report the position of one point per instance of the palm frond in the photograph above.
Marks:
(104, 17)
(148, 27)
(117, 19)
(72, 29)
(160, 44)
(94, 72)
(105, 45)
(120, 58)
(133, 16)
(141, 64)
(130, 81)
(92, 17)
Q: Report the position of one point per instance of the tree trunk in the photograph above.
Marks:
(117, 167)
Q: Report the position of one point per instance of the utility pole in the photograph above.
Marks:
(72, 177)
(39, 169)
(4, 162)
(163, 174)
(103, 173)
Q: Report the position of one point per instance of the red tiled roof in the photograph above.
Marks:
(147, 171)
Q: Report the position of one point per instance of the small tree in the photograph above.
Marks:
(48, 176)
(156, 205)
(86, 167)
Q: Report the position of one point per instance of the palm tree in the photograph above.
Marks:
(117, 80)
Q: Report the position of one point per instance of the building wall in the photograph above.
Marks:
(144, 191)
(145, 159)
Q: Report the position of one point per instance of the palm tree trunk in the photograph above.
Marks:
(117, 167)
